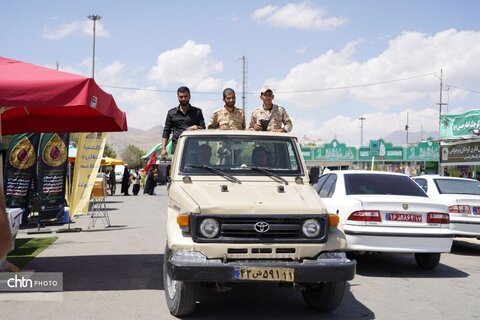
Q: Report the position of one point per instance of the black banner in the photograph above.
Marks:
(51, 174)
(20, 168)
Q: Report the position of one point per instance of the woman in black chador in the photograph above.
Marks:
(149, 183)
(125, 181)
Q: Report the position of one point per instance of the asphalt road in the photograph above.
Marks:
(116, 273)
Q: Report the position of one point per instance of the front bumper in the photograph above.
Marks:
(308, 271)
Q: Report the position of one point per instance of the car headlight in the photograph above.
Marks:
(311, 228)
(209, 228)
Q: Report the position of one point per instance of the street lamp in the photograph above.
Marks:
(94, 18)
(361, 129)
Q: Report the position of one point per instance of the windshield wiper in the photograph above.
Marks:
(217, 171)
(269, 173)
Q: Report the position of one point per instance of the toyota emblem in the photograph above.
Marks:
(261, 227)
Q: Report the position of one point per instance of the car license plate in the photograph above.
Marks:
(264, 274)
(476, 210)
(403, 217)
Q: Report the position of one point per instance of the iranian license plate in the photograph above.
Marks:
(404, 217)
(264, 274)
(476, 210)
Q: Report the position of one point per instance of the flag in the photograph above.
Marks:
(150, 162)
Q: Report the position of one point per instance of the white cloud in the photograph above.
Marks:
(191, 65)
(75, 28)
(410, 54)
(303, 16)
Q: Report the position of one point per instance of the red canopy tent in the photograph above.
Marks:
(38, 99)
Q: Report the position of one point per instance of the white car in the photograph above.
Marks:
(462, 196)
(387, 212)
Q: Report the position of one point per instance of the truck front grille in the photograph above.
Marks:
(260, 229)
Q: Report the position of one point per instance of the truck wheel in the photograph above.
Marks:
(427, 260)
(325, 296)
(180, 295)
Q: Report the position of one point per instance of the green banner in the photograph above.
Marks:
(423, 151)
(307, 153)
(335, 151)
(386, 152)
(459, 125)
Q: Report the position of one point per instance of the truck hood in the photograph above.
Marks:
(254, 198)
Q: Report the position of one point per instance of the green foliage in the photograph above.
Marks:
(109, 152)
(132, 155)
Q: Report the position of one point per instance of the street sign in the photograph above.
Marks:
(374, 148)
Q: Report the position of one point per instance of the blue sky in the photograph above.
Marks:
(328, 62)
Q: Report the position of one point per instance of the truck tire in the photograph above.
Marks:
(427, 260)
(180, 295)
(325, 296)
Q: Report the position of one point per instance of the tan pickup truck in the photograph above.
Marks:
(241, 209)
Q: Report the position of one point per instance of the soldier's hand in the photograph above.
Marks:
(163, 154)
(194, 127)
(257, 127)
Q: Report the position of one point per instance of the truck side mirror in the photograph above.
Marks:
(313, 174)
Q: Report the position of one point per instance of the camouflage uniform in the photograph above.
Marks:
(277, 116)
(234, 120)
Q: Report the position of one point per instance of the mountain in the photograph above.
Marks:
(143, 139)
(400, 137)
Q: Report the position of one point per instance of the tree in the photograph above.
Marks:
(109, 152)
(132, 155)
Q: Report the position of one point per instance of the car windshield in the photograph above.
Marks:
(458, 186)
(237, 155)
(382, 184)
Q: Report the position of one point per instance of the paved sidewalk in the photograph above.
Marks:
(124, 260)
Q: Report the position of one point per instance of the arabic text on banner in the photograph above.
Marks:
(89, 156)
(20, 169)
(52, 169)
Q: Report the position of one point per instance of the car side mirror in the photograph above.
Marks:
(313, 174)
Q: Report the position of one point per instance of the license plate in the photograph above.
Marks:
(476, 210)
(404, 217)
(264, 274)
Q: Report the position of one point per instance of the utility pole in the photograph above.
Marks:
(94, 18)
(244, 84)
(440, 104)
(406, 127)
(361, 129)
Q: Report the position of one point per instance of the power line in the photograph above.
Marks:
(286, 91)
(359, 85)
(465, 89)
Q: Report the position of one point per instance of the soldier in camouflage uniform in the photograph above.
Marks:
(229, 117)
(270, 117)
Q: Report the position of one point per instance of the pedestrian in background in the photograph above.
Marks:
(113, 181)
(136, 183)
(143, 177)
(126, 181)
(181, 118)
(269, 116)
(150, 183)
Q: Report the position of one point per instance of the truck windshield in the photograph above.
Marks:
(235, 155)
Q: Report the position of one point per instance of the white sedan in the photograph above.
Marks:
(462, 196)
(387, 212)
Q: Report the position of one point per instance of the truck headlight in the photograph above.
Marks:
(311, 228)
(209, 228)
